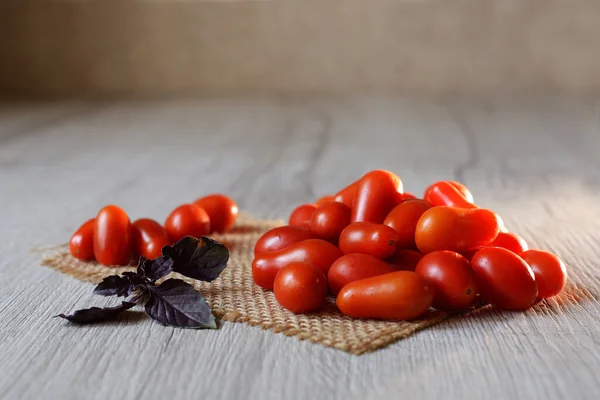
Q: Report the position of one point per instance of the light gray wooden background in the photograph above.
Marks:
(535, 162)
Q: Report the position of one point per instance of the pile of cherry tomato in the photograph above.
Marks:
(388, 255)
(111, 239)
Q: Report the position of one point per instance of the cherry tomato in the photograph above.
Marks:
(317, 252)
(364, 237)
(504, 279)
(149, 237)
(353, 267)
(280, 238)
(400, 295)
(82, 241)
(302, 215)
(222, 211)
(463, 190)
(408, 196)
(452, 277)
(187, 220)
(446, 193)
(455, 229)
(112, 236)
(329, 220)
(346, 195)
(405, 260)
(510, 241)
(403, 219)
(549, 271)
(324, 200)
(300, 287)
(376, 194)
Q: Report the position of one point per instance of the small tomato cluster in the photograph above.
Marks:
(111, 239)
(386, 254)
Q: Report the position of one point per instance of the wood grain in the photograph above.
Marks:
(534, 162)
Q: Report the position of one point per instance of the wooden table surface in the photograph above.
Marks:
(535, 162)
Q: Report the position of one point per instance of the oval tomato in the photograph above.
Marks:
(462, 189)
(400, 295)
(300, 287)
(448, 193)
(346, 195)
(324, 200)
(81, 244)
(455, 229)
(549, 271)
(353, 267)
(377, 193)
(302, 215)
(403, 219)
(317, 252)
(187, 220)
(452, 277)
(504, 278)
(329, 220)
(112, 236)
(222, 211)
(280, 238)
(148, 237)
(405, 260)
(510, 241)
(408, 196)
(363, 237)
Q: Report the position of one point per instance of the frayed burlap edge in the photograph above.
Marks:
(234, 297)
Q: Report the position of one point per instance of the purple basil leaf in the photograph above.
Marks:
(177, 303)
(96, 314)
(115, 285)
(155, 269)
(203, 260)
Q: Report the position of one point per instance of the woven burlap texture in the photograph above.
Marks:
(235, 297)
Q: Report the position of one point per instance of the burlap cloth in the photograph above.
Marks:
(234, 297)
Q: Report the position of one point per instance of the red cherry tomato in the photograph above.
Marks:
(549, 271)
(82, 241)
(317, 252)
(352, 267)
(346, 195)
(187, 220)
(452, 277)
(400, 295)
(462, 190)
(504, 279)
(112, 236)
(405, 260)
(510, 241)
(324, 200)
(408, 196)
(456, 229)
(403, 219)
(329, 220)
(366, 238)
(448, 193)
(222, 211)
(280, 238)
(302, 215)
(376, 194)
(149, 237)
(300, 287)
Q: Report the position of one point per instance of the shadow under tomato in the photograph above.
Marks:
(573, 295)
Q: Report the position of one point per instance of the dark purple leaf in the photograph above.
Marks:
(96, 314)
(177, 303)
(155, 269)
(115, 285)
(198, 259)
